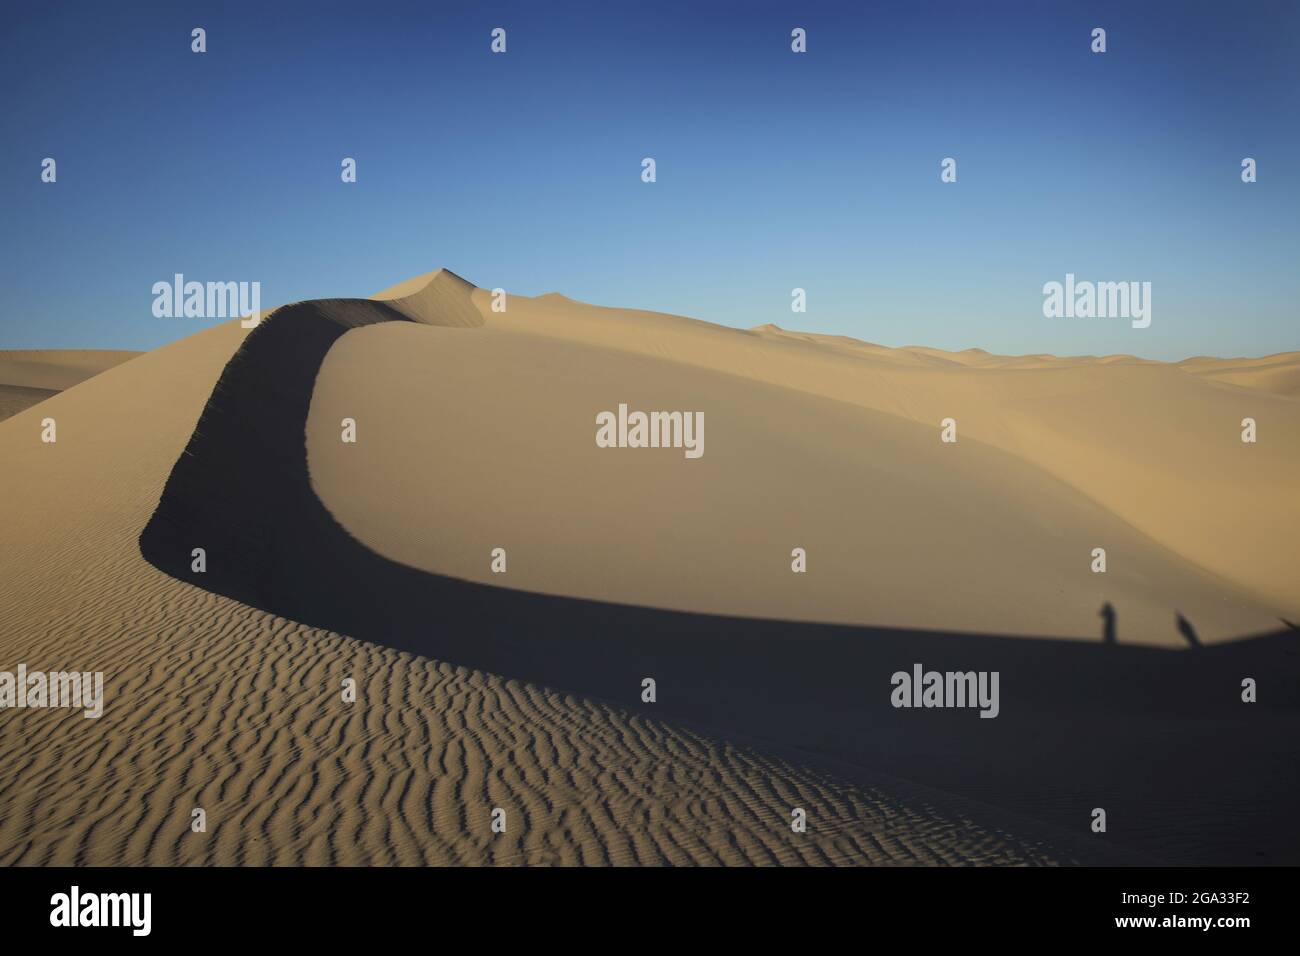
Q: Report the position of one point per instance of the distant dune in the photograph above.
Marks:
(28, 376)
(371, 560)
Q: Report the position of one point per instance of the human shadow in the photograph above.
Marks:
(1078, 722)
(1186, 629)
(1107, 614)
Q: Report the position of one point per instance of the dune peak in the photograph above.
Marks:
(441, 278)
(440, 297)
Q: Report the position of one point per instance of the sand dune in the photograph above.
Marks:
(57, 369)
(475, 430)
(828, 446)
(16, 398)
(219, 705)
(28, 376)
(1279, 374)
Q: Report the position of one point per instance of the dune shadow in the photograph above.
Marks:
(1079, 722)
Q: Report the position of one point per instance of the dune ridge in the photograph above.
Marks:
(1097, 452)
(214, 703)
(1131, 435)
(224, 688)
(436, 298)
(318, 571)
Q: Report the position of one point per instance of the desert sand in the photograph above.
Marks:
(371, 560)
(28, 376)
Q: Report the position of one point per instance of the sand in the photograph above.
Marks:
(523, 691)
(829, 446)
(16, 398)
(57, 369)
(29, 376)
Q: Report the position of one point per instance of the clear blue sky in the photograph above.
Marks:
(775, 170)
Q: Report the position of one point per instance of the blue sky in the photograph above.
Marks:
(775, 170)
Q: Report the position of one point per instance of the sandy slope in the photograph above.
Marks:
(16, 398)
(28, 376)
(1279, 374)
(57, 369)
(476, 430)
(820, 443)
(212, 703)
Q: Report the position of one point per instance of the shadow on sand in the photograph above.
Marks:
(1160, 738)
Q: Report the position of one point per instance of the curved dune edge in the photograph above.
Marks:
(215, 704)
(242, 488)
(1155, 445)
(436, 298)
(470, 442)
